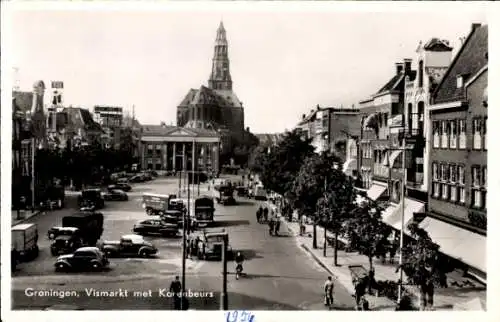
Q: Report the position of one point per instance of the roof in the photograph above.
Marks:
(166, 130)
(81, 118)
(471, 57)
(392, 84)
(189, 97)
(133, 237)
(87, 249)
(229, 96)
(269, 138)
(22, 226)
(345, 123)
(436, 44)
(23, 100)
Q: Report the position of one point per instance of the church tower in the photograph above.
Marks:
(220, 77)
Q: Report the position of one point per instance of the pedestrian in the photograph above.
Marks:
(277, 226)
(371, 280)
(175, 289)
(271, 226)
(328, 288)
(359, 290)
(266, 213)
(303, 221)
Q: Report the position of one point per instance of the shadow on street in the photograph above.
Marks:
(230, 223)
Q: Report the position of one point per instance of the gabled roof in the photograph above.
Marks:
(392, 84)
(229, 96)
(157, 130)
(471, 57)
(81, 118)
(167, 130)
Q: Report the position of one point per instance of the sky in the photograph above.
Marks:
(282, 63)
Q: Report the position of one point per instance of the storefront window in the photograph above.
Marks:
(444, 134)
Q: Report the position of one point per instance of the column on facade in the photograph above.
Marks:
(143, 156)
(215, 164)
(194, 156)
(184, 156)
(174, 157)
(165, 155)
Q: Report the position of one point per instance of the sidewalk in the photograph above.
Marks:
(444, 298)
(24, 215)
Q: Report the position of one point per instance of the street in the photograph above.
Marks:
(279, 275)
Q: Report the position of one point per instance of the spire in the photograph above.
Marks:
(220, 78)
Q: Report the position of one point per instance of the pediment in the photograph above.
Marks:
(181, 132)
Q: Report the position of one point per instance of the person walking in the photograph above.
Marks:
(303, 221)
(328, 288)
(176, 289)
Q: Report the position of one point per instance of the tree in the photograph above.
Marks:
(325, 192)
(283, 162)
(422, 263)
(368, 230)
(257, 159)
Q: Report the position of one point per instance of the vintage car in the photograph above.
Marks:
(156, 225)
(128, 245)
(83, 259)
(115, 195)
(66, 241)
(91, 198)
(210, 244)
(120, 186)
(59, 230)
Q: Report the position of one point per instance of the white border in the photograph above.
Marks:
(289, 7)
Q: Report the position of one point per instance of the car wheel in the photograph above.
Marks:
(108, 253)
(96, 266)
(144, 253)
(61, 267)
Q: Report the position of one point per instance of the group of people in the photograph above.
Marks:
(264, 214)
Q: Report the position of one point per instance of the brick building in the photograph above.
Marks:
(456, 218)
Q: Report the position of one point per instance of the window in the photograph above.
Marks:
(444, 181)
(484, 134)
(444, 134)
(453, 134)
(462, 138)
(435, 171)
(150, 149)
(158, 149)
(435, 134)
(460, 81)
(477, 134)
(421, 74)
(461, 184)
(476, 185)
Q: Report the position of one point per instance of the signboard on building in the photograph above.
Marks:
(57, 84)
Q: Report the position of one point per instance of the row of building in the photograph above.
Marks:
(425, 130)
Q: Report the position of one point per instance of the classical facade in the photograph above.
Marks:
(173, 148)
(216, 106)
(456, 218)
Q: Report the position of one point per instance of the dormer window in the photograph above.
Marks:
(460, 81)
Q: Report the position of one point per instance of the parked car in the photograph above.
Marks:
(91, 197)
(156, 225)
(83, 259)
(67, 241)
(122, 181)
(120, 186)
(59, 230)
(115, 195)
(128, 245)
(137, 179)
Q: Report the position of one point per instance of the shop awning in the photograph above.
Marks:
(375, 191)
(456, 242)
(349, 166)
(389, 211)
(395, 219)
(394, 155)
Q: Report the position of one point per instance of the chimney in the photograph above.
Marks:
(475, 26)
(407, 62)
(399, 68)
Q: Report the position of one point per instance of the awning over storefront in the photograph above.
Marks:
(456, 242)
(375, 191)
(395, 218)
(394, 155)
(349, 166)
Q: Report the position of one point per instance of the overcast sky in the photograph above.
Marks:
(282, 63)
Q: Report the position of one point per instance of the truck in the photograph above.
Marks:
(260, 193)
(91, 198)
(89, 224)
(203, 211)
(25, 241)
(156, 204)
(225, 195)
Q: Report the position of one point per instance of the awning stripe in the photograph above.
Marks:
(411, 207)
